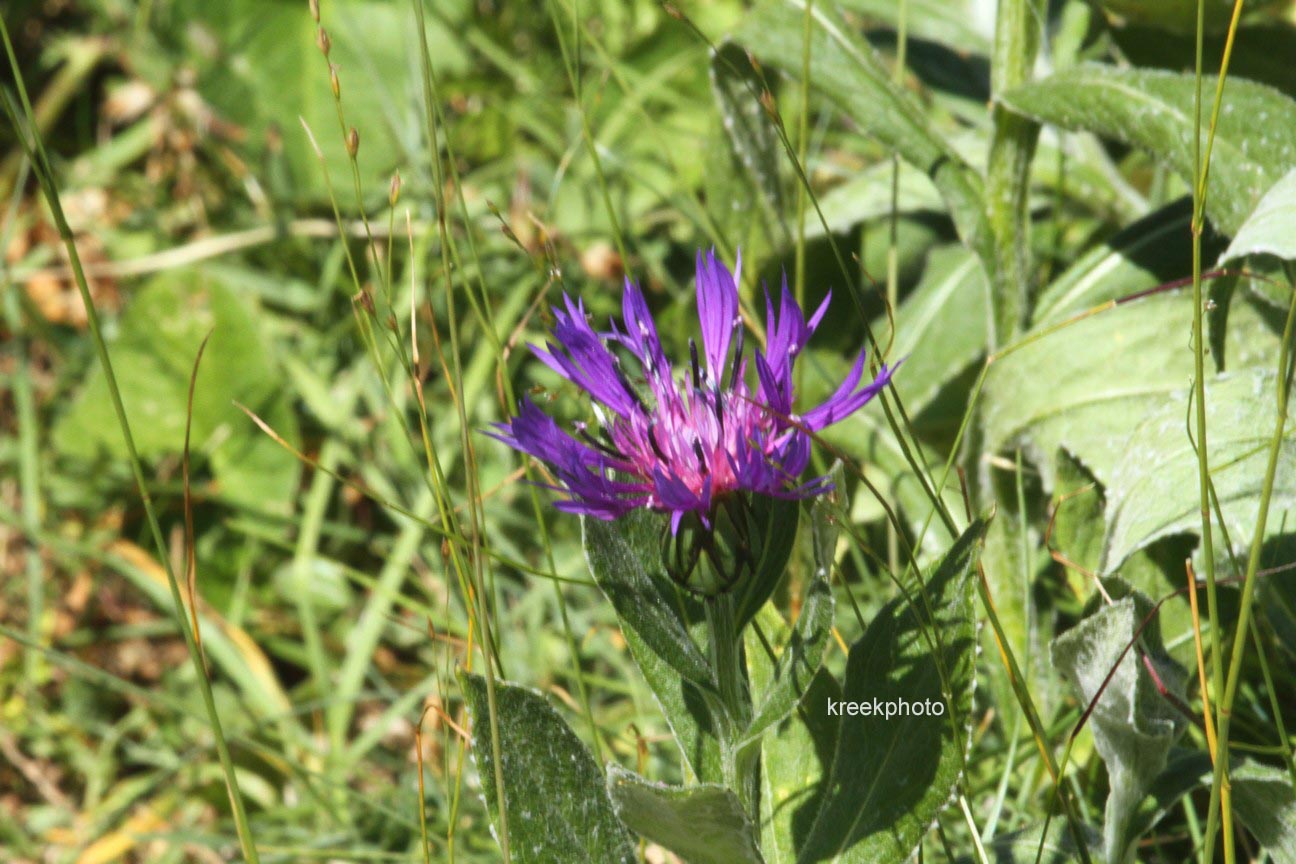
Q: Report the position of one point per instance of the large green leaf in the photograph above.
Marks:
(1133, 726)
(941, 326)
(625, 557)
(702, 824)
(559, 811)
(1271, 227)
(1154, 111)
(1147, 253)
(663, 626)
(891, 776)
(845, 69)
(153, 354)
(261, 70)
(1087, 386)
(796, 763)
(1263, 798)
(1146, 489)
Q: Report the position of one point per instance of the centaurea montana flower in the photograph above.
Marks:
(683, 446)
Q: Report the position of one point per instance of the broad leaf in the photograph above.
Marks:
(1266, 804)
(796, 763)
(941, 326)
(845, 69)
(1154, 111)
(891, 776)
(1263, 799)
(1154, 250)
(1087, 386)
(625, 558)
(702, 824)
(1133, 726)
(1146, 489)
(1271, 227)
(153, 355)
(559, 811)
(751, 132)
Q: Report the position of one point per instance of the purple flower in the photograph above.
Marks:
(681, 446)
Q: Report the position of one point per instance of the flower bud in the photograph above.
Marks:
(393, 193)
(334, 83)
(323, 41)
(314, 10)
(353, 142)
(747, 541)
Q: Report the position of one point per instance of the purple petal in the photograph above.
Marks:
(717, 302)
(846, 400)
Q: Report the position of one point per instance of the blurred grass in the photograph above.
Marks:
(565, 144)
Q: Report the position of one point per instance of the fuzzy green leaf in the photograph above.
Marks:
(702, 824)
(1271, 227)
(845, 69)
(796, 762)
(891, 776)
(625, 558)
(1146, 500)
(1133, 726)
(1153, 110)
(559, 811)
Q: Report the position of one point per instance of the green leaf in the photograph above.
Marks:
(685, 707)
(1146, 488)
(153, 355)
(1271, 227)
(796, 763)
(259, 67)
(1031, 846)
(625, 558)
(1153, 110)
(779, 683)
(1087, 386)
(867, 195)
(559, 811)
(941, 326)
(1263, 799)
(1146, 253)
(1133, 726)
(702, 824)
(948, 22)
(663, 626)
(755, 142)
(845, 69)
(1266, 804)
(891, 776)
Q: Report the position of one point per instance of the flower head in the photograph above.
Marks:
(682, 445)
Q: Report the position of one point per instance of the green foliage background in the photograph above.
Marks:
(570, 143)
